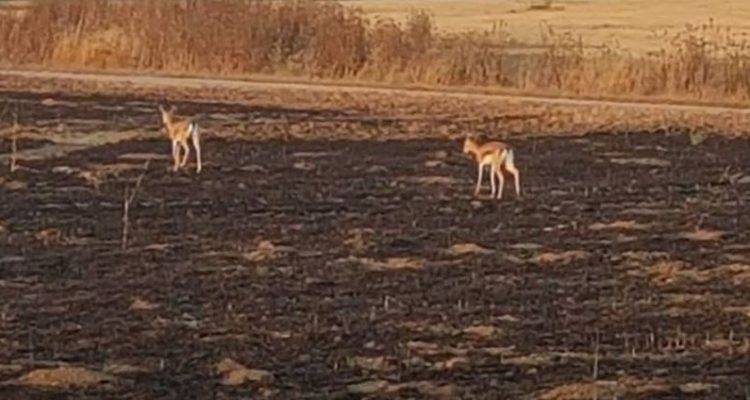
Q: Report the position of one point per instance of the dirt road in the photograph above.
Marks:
(144, 80)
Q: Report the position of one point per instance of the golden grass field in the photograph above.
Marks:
(637, 25)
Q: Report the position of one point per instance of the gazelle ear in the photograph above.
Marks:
(161, 108)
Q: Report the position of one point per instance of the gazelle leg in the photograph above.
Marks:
(479, 180)
(175, 155)
(514, 171)
(197, 145)
(186, 150)
(501, 181)
(493, 172)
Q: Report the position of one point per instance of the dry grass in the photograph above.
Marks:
(563, 258)
(389, 264)
(618, 225)
(625, 387)
(265, 251)
(433, 390)
(702, 235)
(670, 273)
(332, 41)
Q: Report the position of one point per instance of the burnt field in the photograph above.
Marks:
(349, 269)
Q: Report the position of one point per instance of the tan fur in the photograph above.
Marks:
(499, 156)
(179, 130)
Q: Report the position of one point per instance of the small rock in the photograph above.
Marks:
(563, 258)
(434, 164)
(468, 248)
(702, 235)
(304, 166)
(266, 250)
(142, 305)
(368, 387)
(647, 162)
(525, 246)
(376, 169)
(66, 377)
(48, 236)
(64, 169)
(236, 374)
(156, 247)
(371, 363)
(697, 387)
(454, 363)
(440, 154)
(124, 369)
(481, 331)
(254, 168)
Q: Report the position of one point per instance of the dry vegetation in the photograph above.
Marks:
(329, 40)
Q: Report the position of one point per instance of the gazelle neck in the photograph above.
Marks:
(472, 147)
(168, 119)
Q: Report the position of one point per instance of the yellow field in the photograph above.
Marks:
(635, 24)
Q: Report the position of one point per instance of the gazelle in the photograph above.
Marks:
(498, 156)
(178, 130)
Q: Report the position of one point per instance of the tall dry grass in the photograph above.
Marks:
(706, 62)
(218, 36)
(324, 39)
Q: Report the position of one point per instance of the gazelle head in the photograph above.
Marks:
(469, 145)
(167, 115)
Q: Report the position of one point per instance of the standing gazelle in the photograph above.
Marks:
(178, 130)
(498, 156)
